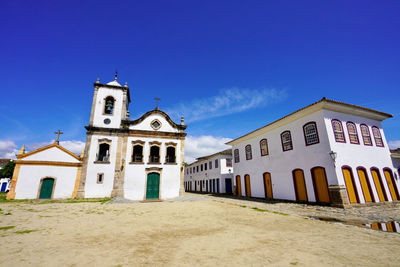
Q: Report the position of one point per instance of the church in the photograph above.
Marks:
(138, 159)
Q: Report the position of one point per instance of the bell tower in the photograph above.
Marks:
(110, 104)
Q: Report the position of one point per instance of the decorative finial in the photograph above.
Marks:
(116, 75)
(126, 84)
(22, 150)
(58, 136)
(182, 121)
(98, 80)
(157, 99)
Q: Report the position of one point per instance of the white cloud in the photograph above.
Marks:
(198, 146)
(74, 146)
(394, 144)
(8, 149)
(228, 101)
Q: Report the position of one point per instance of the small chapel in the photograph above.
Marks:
(138, 159)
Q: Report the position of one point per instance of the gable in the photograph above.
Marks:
(51, 153)
(163, 123)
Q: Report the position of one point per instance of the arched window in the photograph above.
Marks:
(248, 152)
(154, 154)
(366, 135)
(236, 155)
(286, 140)
(377, 136)
(137, 155)
(104, 152)
(352, 131)
(109, 105)
(264, 147)
(310, 133)
(338, 131)
(170, 155)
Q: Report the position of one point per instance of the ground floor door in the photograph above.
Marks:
(391, 184)
(207, 186)
(153, 186)
(46, 190)
(3, 187)
(217, 185)
(267, 185)
(378, 185)
(350, 187)
(300, 185)
(228, 186)
(213, 184)
(365, 186)
(238, 185)
(247, 185)
(320, 185)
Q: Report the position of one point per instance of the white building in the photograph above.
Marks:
(327, 152)
(213, 173)
(135, 159)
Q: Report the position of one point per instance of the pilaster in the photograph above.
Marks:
(81, 188)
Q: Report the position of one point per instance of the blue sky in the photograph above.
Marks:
(228, 66)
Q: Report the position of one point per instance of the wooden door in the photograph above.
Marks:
(365, 186)
(46, 189)
(153, 186)
(228, 186)
(238, 185)
(320, 185)
(299, 185)
(351, 189)
(267, 185)
(378, 185)
(3, 187)
(247, 185)
(391, 184)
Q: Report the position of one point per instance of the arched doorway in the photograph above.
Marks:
(299, 185)
(247, 185)
(320, 185)
(391, 184)
(267, 185)
(153, 186)
(365, 185)
(238, 185)
(350, 185)
(46, 188)
(378, 184)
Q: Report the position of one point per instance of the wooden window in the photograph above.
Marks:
(210, 165)
(352, 131)
(104, 152)
(137, 155)
(205, 166)
(216, 163)
(236, 155)
(311, 133)
(197, 168)
(286, 140)
(228, 162)
(377, 136)
(170, 157)
(366, 135)
(264, 147)
(248, 152)
(100, 178)
(154, 154)
(338, 131)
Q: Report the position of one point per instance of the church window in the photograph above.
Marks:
(228, 162)
(286, 140)
(156, 124)
(216, 163)
(236, 155)
(137, 155)
(264, 147)
(366, 135)
(104, 152)
(154, 154)
(310, 133)
(170, 155)
(100, 178)
(377, 136)
(210, 165)
(248, 152)
(109, 105)
(353, 135)
(338, 131)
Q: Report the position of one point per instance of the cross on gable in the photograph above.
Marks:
(58, 136)
(157, 99)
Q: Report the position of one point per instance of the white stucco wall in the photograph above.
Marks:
(99, 116)
(146, 124)
(52, 154)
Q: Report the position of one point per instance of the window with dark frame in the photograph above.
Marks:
(205, 166)
(228, 162)
(201, 167)
(311, 133)
(100, 178)
(377, 136)
(216, 163)
(137, 155)
(109, 105)
(338, 131)
(170, 157)
(154, 154)
(236, 155)
(249, 155)
(210, 165)
(264, 147)
(366, 135)
(104, 152)
(286, 140)
(197, 168)
(352, 131)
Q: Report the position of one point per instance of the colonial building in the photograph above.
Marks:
(211, 173)
(134, 159)
(327, 152)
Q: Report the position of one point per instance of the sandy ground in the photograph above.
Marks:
(199, 233)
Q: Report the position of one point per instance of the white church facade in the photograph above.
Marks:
(328, 152)
(134, 159)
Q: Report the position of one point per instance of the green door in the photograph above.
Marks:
(153, 186)
(47, 188)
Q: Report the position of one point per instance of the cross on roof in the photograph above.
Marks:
(157, 99)
(58, 136)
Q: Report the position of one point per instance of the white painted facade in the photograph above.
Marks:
(200, 178)
(280, 164)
